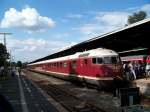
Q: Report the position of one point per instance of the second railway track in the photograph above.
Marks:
(69, 101)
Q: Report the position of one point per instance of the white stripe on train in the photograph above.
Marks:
(86, 77)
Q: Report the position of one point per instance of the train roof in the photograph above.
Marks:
(99, 52)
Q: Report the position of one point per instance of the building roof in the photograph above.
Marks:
(134, 36)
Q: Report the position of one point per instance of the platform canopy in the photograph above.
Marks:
(132, 38)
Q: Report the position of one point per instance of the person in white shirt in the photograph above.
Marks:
(147, 70)
(132, 72)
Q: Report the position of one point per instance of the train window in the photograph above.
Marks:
(114, 60)
(107, 60)
(111, 60)
(74, 64)
(94, 60)
(60, 64)
(65, 64)
(99, 61)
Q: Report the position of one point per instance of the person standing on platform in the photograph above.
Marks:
(13, 72)
(136, 69)
(19, 70)
(126, 70)
(132, 72)
(147, 70)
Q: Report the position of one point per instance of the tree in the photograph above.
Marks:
(19, 64)
(137, 17)
(24, 65)
(13, 64)
(3, 55)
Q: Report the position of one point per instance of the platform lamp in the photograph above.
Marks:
(4, 34)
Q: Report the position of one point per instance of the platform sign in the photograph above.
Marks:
(129, 96)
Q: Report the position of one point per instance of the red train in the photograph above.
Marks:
(142, 58)
(95, 66)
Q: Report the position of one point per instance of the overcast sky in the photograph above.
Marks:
(43, 27)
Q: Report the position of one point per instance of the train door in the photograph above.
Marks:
(73, 66)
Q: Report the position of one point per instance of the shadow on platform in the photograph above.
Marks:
(9, 94)
(5, 106)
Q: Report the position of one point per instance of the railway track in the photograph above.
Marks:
(74, 99)
(69, 101)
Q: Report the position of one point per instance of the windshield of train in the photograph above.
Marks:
(106, 60)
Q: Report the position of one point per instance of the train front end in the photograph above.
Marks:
(109, 67)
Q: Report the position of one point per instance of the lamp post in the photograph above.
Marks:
(4, 34)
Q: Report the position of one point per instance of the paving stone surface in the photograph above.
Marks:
(33, 98)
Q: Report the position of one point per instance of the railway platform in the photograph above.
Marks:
(18, 94)
(144, 86)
